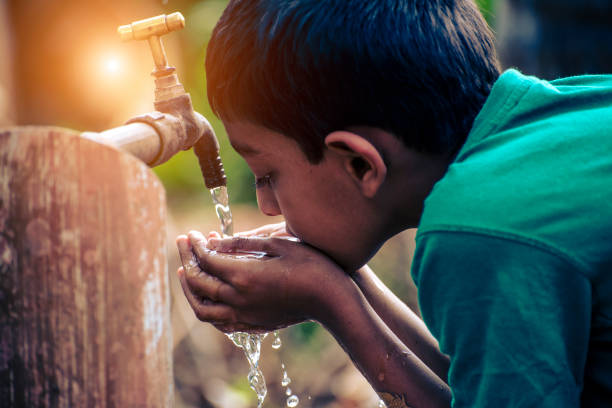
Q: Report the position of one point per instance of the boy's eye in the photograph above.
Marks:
(262, 181)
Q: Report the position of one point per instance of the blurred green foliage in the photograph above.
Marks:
(487, 9)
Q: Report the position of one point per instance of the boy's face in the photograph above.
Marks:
(321, 204)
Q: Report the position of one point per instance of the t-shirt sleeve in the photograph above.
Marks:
(513, 316)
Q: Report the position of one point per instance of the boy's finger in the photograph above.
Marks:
(263, 231)
(185, 252)
(225, 267)
(271, 247)
(214, 234)
(197, 238)
(284, 235)
(207, 310)
(209, 286)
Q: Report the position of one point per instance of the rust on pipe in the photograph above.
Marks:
(83, 275)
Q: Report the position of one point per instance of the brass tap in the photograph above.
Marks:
(157, 136)
(151, 29)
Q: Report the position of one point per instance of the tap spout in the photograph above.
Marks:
(207, 151)
(200, 135)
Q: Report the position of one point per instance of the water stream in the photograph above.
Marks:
(250, 343)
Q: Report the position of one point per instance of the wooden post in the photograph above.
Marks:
(84, 295)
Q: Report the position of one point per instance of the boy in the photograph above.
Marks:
(361, 119)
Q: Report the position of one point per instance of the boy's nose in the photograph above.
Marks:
(267, 204)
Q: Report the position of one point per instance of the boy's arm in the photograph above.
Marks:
(410, 329)
(295, 283)
(402, 321)
(394, 370)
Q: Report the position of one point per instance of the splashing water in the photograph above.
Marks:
(249, 343)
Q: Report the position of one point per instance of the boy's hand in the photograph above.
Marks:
(237, 292)
(278, 230)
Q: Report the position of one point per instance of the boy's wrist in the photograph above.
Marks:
(337, 301)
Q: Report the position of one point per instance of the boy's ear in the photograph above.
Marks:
(361, 160)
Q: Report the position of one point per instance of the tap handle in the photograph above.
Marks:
(151, 29)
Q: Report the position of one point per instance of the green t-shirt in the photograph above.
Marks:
(514, 250)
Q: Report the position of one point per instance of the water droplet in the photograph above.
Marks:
(286, 380)
(293, 401)
(288, 392)
(276, 343)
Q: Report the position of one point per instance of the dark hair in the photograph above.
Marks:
(420, 69)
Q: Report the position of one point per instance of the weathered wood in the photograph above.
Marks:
(84, 297)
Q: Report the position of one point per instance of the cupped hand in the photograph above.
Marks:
(278, 230)
(236, 291)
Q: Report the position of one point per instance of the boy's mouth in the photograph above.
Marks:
(289, 230)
